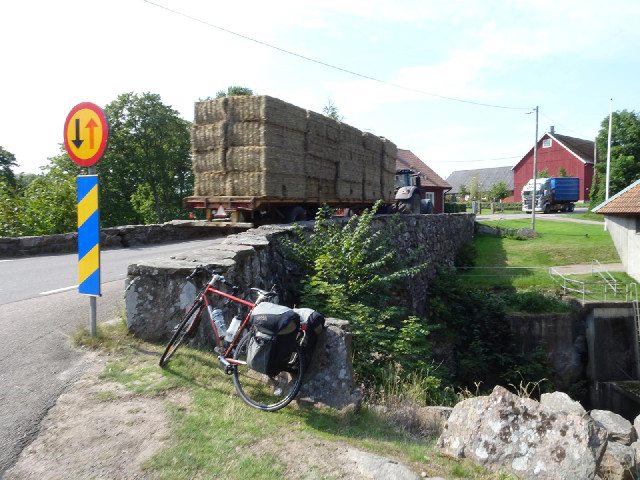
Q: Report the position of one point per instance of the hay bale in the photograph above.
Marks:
(320, 190)
(371, 142)
(209, 136)
(262, 108)
(212, 184)
(283, 185)
(319, 168)
(210, 111)
(264, 134)
(209, 161)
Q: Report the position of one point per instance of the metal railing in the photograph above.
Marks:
(609, 286)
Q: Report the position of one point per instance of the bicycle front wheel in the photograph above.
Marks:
(261, 391)
(188, 326)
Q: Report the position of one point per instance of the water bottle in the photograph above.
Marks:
(218, 319)
(233, 328)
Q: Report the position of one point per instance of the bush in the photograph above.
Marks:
(354, 272)
(455, 207)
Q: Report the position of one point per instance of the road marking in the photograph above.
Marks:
(59, 290)
(2, 261)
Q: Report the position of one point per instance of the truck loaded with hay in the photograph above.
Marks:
(258, 159)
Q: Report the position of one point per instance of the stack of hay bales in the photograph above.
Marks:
(264, 147)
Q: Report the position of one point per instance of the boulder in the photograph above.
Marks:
(619, 429)
(618, 462)
(561, 402)
(503, 430)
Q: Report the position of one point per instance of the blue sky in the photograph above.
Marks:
(567, 57)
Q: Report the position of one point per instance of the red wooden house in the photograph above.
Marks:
(555, 154)
(435, 186)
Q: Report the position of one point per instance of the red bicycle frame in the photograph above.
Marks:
(209, 307)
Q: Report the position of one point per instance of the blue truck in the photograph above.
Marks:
(556, 194)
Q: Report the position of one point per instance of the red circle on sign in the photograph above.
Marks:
(72, 144)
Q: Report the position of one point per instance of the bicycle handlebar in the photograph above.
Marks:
(215, 276)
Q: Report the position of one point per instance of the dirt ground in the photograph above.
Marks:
(100, 430)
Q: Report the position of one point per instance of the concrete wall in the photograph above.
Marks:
(627, 242)
(588, 347)
(157, 291)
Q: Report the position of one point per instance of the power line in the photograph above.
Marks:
(328, 65)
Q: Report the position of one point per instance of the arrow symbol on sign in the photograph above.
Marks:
(77, 142)
(91, 125)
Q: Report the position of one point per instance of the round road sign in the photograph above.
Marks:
(86, 131)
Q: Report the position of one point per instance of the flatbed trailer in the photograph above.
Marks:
(258, 210)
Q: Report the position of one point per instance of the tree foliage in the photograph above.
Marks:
(144, 174)
(233, 91)
(146, 170)
(7, 161)
(499, 191)
(331, 111)
(625, 155)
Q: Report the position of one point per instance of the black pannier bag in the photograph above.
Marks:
(274, 329)
(312, 324)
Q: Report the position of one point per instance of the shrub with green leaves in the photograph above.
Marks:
(353, 271)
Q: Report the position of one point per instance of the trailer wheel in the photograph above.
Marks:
(295, 214)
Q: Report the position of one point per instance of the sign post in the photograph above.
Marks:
(86, 131)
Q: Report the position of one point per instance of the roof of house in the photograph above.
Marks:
(406, 159)
(486, 177)
(626, 202)
(579, 148)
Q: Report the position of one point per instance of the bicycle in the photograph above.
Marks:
(256, 389)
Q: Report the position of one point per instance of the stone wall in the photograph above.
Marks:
(113, 237)
(157, 291)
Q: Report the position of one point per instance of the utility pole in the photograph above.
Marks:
(609, 147)
(535, 176)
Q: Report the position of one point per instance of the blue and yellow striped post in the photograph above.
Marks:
(88, 235)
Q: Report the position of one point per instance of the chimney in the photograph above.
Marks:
(552, 130)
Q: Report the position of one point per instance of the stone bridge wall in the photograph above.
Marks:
(113, 237)
(157, 292)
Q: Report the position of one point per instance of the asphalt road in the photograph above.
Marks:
(561, 217)
(39, 311)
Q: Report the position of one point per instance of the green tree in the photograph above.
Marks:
(562, 172)
(463, 191)
(544, 173)
(499, 191)
(474, 192)
(233, 91)
(148, 158)
(7, 161)
(331, 111)
(50, 201)
(625, 155)
(11, 211)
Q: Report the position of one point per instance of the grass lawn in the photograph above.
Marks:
(557, 244)
(218, 436)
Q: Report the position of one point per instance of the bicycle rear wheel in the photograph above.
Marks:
(261, 391)
(187, 326)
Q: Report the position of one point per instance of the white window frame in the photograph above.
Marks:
(430, 196)
(546, 143)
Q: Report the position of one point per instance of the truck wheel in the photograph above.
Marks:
(295, 214)
(547, 209)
